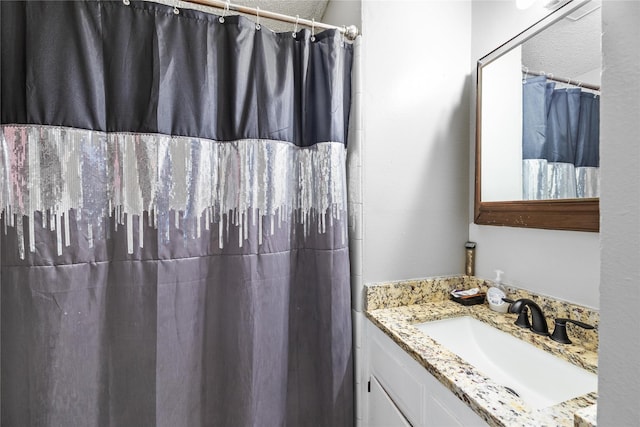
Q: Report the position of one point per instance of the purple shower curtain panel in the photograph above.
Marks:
(173, 234)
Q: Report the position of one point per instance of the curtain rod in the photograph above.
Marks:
(350, 31)
(550, 76)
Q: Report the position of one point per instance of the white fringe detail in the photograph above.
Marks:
(54, 170)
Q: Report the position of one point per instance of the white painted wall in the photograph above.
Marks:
(502, 128)
(415, 69)
(619, 358)
(408, 145)
(561, 264)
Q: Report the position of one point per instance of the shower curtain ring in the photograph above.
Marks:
(224, 12)
(126, 2)
(295, 27)
(258, 18)
(344, 31)
(313, 29)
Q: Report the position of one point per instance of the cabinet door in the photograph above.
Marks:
(391, 367)
(382, 411)
(418, 396)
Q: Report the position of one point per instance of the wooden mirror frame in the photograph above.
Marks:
(553, 214)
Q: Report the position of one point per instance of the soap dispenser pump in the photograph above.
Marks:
(495, 295)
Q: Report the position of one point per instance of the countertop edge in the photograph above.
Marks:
(486, 398)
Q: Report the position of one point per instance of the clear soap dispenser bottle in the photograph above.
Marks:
(495, 295)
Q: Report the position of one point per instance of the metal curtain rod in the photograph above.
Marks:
(550, 76)
(351, 31)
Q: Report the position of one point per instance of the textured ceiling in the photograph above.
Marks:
(569, 48)
(307, 9)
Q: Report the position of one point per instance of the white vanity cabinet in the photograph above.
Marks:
(383, 411)
(401, 392)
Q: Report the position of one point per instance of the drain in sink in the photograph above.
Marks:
(512, 391)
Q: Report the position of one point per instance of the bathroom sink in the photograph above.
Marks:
(537, 377)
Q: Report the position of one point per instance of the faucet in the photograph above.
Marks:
(539, 323)
(560, 331)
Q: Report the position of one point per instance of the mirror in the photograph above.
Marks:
(537, 129)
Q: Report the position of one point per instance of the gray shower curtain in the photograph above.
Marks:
(173, 220)
(560, 141)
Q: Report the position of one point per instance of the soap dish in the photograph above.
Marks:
(469, 299)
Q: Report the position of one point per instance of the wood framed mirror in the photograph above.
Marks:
(515, 185)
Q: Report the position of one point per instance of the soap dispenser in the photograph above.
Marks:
(495, 295)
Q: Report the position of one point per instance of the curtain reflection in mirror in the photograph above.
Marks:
(560, 141)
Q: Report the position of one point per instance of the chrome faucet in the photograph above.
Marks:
(538, 322)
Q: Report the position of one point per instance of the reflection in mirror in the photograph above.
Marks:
(540, 113)
(537, 145)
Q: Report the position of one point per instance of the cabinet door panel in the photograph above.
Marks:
(417, 395)
(388, 365)
(382, 411)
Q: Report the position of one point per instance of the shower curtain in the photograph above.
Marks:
(173, 220)
(560, 141)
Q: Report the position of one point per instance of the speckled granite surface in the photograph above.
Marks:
(395, 307)
(402, 293)
(586, 417)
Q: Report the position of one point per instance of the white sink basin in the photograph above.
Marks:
(538, 377)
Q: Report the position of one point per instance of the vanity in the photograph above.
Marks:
(415, 380)
(536, 166)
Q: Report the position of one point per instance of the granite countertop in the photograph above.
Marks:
(488, 399)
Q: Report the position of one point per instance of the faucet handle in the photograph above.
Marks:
(523, 318)
(560, 331)
(523, 313)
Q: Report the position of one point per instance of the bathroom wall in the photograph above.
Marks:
(409, 145)
(408, 190)
(412, 150)
(415, 68)
(619, 357)
(561, 264)
(502, 124)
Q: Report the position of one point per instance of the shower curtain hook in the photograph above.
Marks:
(175, 8)
(224, 12)
(258, 18)
(126, 2)
(344, 31)
(313, 29)
(295, 27)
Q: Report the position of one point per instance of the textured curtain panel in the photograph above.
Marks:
(536, 96)
(173, 220)
(588, 147)
(560, 141)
